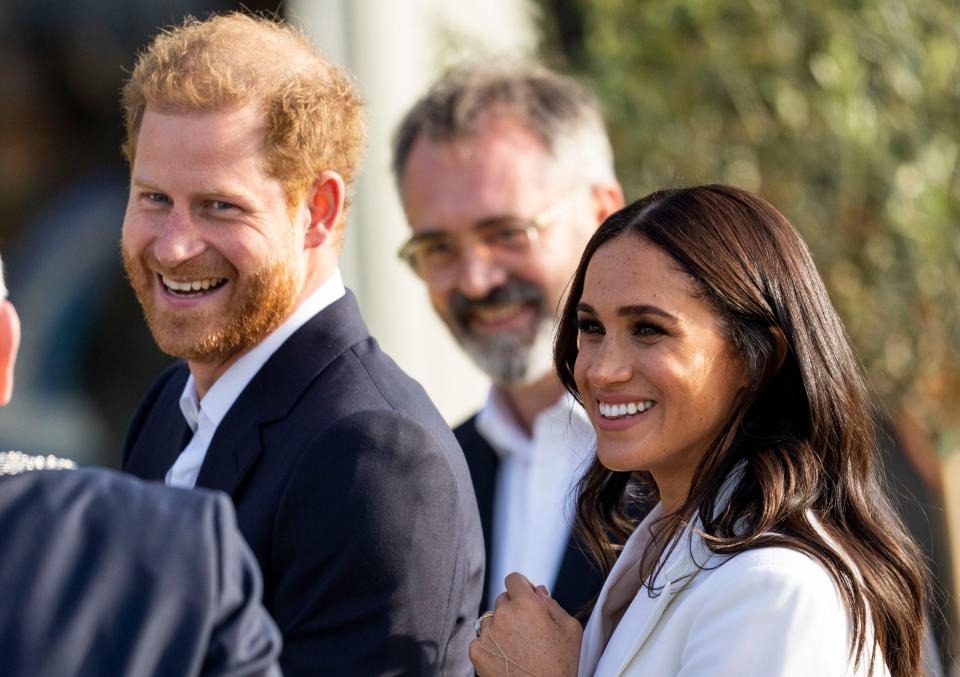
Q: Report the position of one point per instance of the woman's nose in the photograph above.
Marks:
(609, 365)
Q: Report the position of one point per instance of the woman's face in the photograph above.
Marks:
(655, 371)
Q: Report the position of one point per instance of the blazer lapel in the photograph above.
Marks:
(272, 393)
(578, 578)
(163, 436)
(231, 454)
(639, 620)
(483, 464)
(688, 559)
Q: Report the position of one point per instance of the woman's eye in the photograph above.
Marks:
(647, 330)
(589, 326)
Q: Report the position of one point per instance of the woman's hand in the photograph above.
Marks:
(528, 634)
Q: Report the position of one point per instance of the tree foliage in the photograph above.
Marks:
(844, 114)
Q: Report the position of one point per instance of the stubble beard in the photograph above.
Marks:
(259, 304)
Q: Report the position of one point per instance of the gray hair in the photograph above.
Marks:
(554, 106)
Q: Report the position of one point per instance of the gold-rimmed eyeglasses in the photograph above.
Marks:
(436, 256)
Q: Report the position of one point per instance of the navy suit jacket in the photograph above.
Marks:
(101, 574)
(353, 494)
(578, 581)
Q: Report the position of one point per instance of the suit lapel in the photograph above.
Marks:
(483, 463)
(163, 436)
(686, 561)
(272, 393)
(578, 578)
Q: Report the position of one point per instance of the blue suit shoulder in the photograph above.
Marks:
(119, 576)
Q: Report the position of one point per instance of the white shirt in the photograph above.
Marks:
(535, 488)
(205, 415)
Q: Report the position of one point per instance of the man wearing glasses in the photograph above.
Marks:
(504, 172)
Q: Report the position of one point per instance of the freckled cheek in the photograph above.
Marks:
(583, 384)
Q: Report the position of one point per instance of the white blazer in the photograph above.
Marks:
(768, 612)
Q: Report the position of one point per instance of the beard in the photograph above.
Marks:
(511, 357)
(258, 304)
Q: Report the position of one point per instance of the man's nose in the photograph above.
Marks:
(180, 239)
(479, 272)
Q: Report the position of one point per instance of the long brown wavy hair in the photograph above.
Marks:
(803, 433)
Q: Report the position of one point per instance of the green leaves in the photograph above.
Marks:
(846, 115)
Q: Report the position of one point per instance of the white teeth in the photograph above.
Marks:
(497, 313)
(625, 409)
(191, 285)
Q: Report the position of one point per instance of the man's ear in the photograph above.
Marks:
(9, 344)
(607, 199)
(325, 203)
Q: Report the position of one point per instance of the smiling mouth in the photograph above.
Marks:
(188, 288)
(495, 314)
(625, 409)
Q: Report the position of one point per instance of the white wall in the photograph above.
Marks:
(395, 49)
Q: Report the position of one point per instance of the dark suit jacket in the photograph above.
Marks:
(103, 575)
(352, 493)
(579, 579)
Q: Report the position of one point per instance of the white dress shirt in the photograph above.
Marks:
(204, 416)
(535, 488)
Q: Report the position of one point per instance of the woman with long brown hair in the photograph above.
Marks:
(702, 343)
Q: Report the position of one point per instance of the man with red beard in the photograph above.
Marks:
(504, 172)
(103, 574)
(348, 485)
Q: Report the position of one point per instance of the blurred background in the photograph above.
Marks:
(843, 114)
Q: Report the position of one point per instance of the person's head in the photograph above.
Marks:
(9, 341)
(242, 140)
(703, 308)
(504, 171)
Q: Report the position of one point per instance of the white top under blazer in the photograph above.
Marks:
(768, 612)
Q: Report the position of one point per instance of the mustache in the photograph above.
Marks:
(204, 266)
(512, 291)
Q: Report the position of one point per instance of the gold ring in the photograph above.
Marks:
(479, 622)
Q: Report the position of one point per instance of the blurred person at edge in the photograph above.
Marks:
(504, 171)
(702, 344)
(348, 484)
(103, 574)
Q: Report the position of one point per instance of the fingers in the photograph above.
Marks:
(482, 656)
(557, 612)
(518, 586)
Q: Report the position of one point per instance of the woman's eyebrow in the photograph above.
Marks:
(645, 309)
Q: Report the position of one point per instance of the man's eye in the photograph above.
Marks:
(220, 205)
(438, 249)
(157, 198)
(506, 235)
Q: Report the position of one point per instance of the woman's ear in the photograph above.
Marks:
(9, 345)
